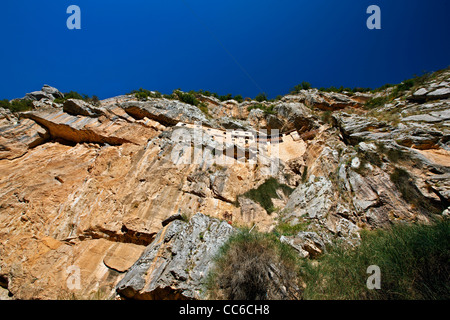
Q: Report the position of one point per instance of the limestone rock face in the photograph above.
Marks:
(327, 101)
(78, 129)
(438, 88)
(94, 198)
(18, 136)
(167, 112)
(176, 263)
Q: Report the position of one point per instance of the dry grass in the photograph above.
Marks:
(254, 266)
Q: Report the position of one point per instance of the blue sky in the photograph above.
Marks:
(233, 46)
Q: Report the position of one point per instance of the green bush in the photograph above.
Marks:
(302, 86)
(186, 97)
(267, 110)
(266, 191)
(17, 105)
(203, 108)
(226, 97)
(75, 95)
(238, 98)
(286, 229)
(413, 259)
(261, 97)
(253, 266)
(144, 94)
(376, 102)
(383, 87)
(326, 117)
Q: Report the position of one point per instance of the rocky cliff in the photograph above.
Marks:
(91, 186)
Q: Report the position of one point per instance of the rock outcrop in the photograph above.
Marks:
(175, 265)
(101, 192)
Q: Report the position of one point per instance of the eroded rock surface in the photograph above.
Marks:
(175, 265)
(105, 190)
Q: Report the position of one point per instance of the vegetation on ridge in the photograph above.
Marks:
(413, 260)
(17, 105)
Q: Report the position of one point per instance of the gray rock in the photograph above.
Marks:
(77, 107)
(306, 243)
(175, 265)
(18, 135)
(358, 128)
(52, 91)
(441, 93)
(422, 118)
(39, 95)
(167, 112)
(171, 219)
(420, 93)
(312, 199)
(230, 123)
(250, 210)
(221, 187)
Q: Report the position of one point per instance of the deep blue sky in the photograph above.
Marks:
(233, 46)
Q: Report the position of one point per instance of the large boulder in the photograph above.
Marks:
(176, 263)
(63, 126)
(52, 91)
(18, 135)
(306, 243)
(46, 93)
(39, 95)
(79, 107)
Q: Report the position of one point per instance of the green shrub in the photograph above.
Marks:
(376, 102)
(188, 98)
(396, 155)
(203, 108)
(383, 87)
(226, 97)
(267, 110)
(326, 117)
(413, 259)
(5, 104)
(144, 94)
(253, 266)
(75, 95)
(238, 98)
(266, 191)
(286, 229)
(362, 89)
(261, 97)
(17, 105)
(302, 86)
